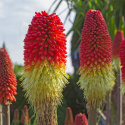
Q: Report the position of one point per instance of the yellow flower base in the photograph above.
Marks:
(96, 85)
(44, 84)
(116, 63)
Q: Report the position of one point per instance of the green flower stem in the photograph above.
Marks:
(92, 116)
(6, 114)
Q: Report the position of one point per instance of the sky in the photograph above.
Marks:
(16, 15)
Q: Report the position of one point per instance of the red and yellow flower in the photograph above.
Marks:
(95, 59)
(8, 81)
(122, 59)
(45, 64)
(119, 36)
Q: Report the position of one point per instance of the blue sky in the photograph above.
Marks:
(16, 15)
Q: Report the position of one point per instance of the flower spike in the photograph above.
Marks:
(8, 81)
(45, 64)
(97, 77)
(116, 48)
(122, 59)
(80, 119)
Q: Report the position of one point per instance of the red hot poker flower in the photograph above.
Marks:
(45, 42)
(116, 44)
(116, 48)
(7, 78)
(95, 59)
(25, 115)
(45, 64)
(122, 59)
(80, 119)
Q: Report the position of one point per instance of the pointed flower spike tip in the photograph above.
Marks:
(45, 61)
(97, 77)
(116, 48)
(80, 119)
(16, 117)
(69, 117)
(8, 81)
(122, 59)
(25, 115)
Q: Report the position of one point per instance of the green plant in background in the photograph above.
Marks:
(44, 66)
(74, 96)
(61, 112)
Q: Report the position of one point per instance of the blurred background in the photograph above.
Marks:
(16, 15)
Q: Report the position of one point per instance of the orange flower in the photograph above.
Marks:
(7, 78)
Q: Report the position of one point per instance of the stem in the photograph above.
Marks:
(1, 120)
(47, 115)
(119, 100)
(6, 114)
(108, 110)
(92, 116)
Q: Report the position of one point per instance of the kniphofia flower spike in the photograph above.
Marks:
(122, 59)
(69, 117)
(45, 64)
(116, 48)
(80, 119)
(95, 59)
(8, 81)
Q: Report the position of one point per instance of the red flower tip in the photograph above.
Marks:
(25, 115)
(7, 78)
(44, 13)
(122, 58)
(95, 47)
(45, 41)
(119, 36)
(69, 117)
(80, 119)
